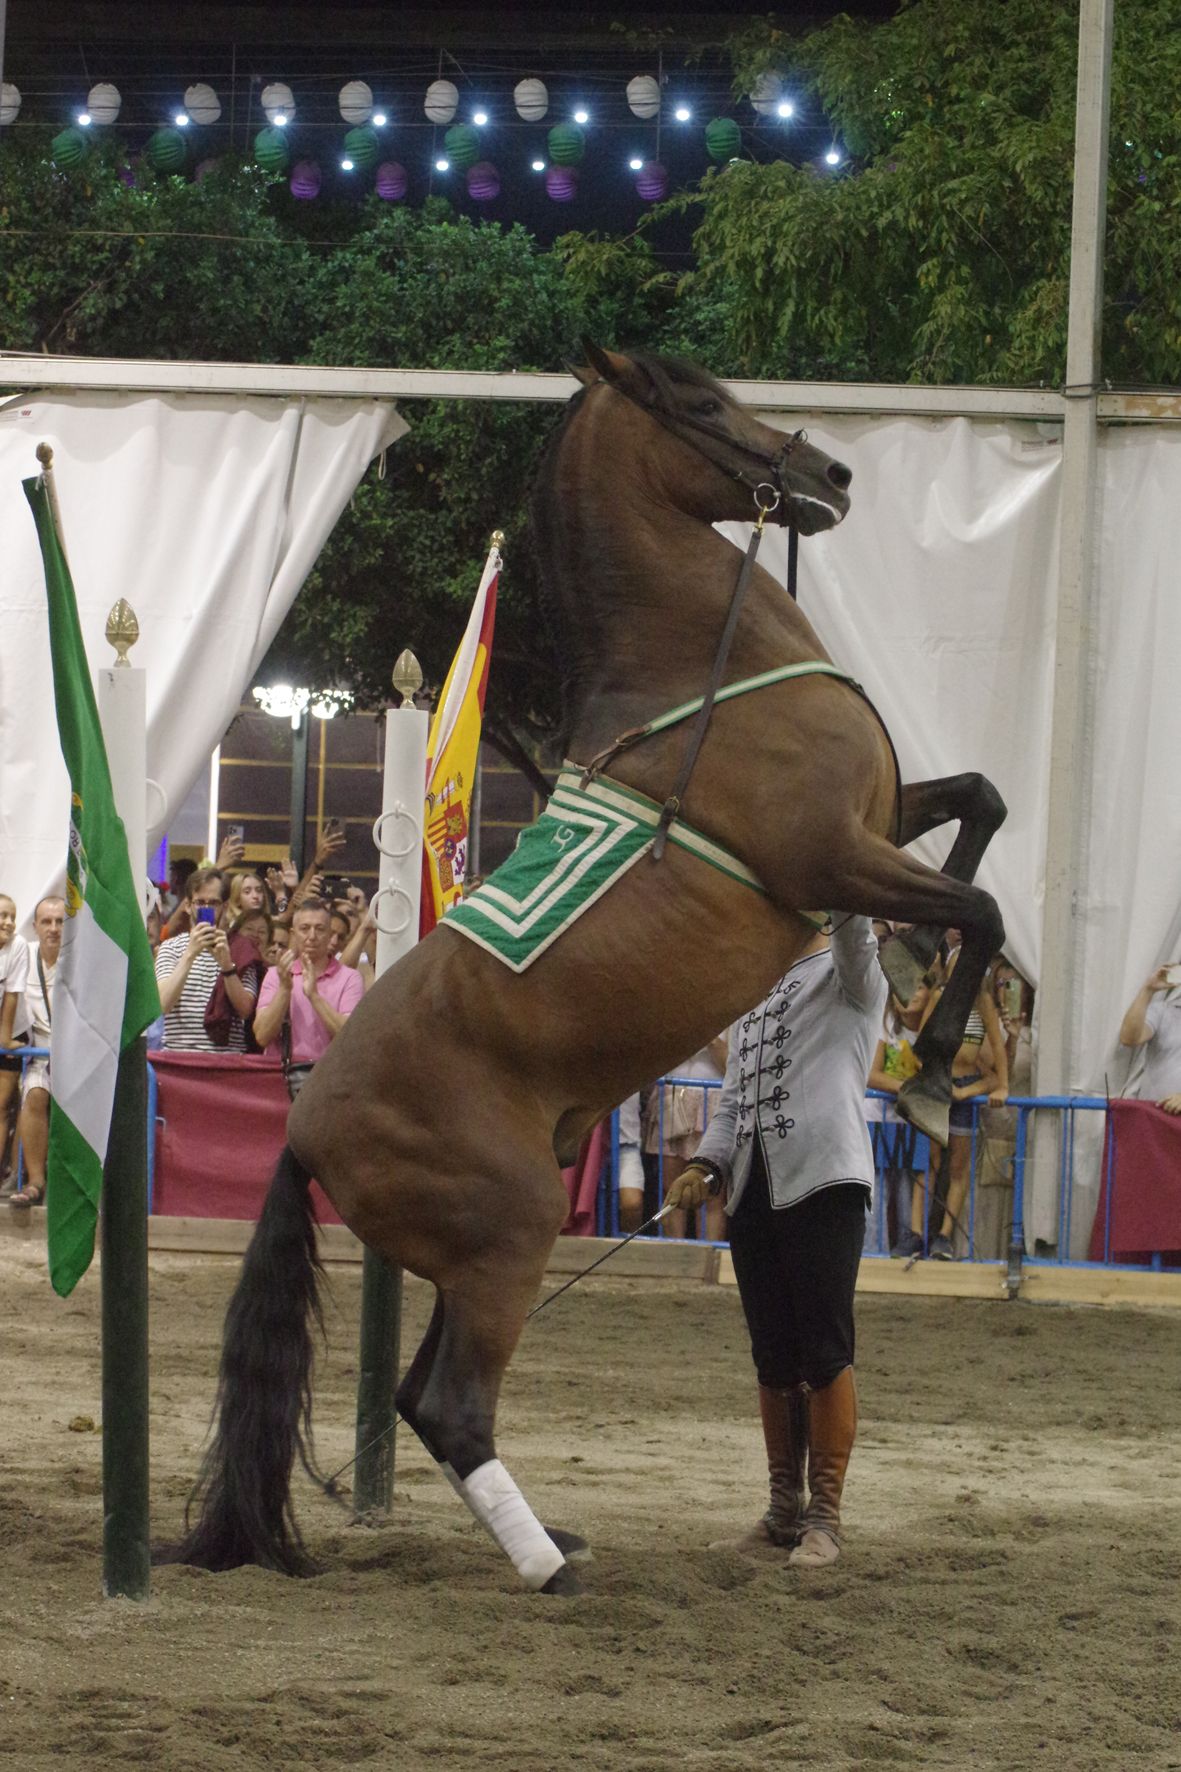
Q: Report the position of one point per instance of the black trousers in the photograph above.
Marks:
(796, 1270)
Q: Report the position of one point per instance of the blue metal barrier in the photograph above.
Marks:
(894, 1154)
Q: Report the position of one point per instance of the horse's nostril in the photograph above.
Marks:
(839, 474)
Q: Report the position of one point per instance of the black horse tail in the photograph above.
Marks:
(264, 1404)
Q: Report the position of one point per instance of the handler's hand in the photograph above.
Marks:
(693, 1186)
(1171, 1104)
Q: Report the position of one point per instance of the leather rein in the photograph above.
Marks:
(768, 494)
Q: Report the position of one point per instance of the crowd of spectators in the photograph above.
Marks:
(246, 962)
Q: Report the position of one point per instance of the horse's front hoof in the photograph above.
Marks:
(904, 972)
(921, 1103)
(574, 1548)
(563, 1582)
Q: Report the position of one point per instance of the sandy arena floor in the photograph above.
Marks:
(1009, 1594)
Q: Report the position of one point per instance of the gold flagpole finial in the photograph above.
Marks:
(407, 677)
(122, 631)
(45, 456)
(497, 540)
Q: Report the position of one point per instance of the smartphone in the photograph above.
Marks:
(1173, 974)
(236, 833)
(1011, 998)
(206, 913)
(336, 885)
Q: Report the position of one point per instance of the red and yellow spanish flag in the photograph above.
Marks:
(452, 749)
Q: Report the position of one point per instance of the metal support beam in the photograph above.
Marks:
(1060, 995)
(299, 789)
(126, 1553)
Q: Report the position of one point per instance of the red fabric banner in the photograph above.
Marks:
(221, 1123)
(1142, 1181)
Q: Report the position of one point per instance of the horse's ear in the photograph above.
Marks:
(615, 369)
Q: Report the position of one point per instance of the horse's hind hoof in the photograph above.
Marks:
(925, 1108)
(572, 1547)
(563, 1582)
(904, 973)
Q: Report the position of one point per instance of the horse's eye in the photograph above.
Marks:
(708, 409)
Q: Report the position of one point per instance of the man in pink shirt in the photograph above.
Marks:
(309, 987)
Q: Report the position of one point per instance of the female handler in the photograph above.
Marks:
(789, 1143)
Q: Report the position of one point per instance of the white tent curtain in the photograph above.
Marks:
(206, 513)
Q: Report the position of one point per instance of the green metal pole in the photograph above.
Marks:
(126, 1552)
(381, 1334)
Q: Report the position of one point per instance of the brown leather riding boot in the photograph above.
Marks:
(832, 1429)
(785, 1433)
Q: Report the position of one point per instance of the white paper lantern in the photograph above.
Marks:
(531, 100)
(643, 96)
(202, 104)
(442, 101)
(766, 94)
(356, 102)
(103, 102)
(10, 103)
(278, 100)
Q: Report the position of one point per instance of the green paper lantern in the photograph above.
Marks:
(166, 150)
(723, 139)
(461, 144)
(69, 148)
(363, 147)
(567, 144)
(270, 149)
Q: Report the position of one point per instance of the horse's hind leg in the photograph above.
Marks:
(974, 802)
(449, 1397)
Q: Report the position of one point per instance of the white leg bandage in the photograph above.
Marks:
(503, 1511)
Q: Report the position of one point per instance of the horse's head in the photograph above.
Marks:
(720, 460)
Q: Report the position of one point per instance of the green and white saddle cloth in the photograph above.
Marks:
(585, 840)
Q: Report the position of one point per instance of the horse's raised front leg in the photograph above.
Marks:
(867, 874)
(449, 1397)
(973, 802)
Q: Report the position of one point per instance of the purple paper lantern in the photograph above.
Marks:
(203, 170)
(391, 182)
(561, 183)
(305, 180)
(652, 181)
(483, 181)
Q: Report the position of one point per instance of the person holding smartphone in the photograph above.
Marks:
(1154, 1020)
(190, 965)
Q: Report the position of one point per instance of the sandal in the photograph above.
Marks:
(31, 1196)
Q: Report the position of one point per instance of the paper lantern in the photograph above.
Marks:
(305, 180)
(391, 182)
(128, 177)
(166, 150)
(278, 100)
(202, 104)
(69, 148)
(723, 138)
(561, 183)
(442, 101)
(643, 96)
(483, 181)
(103, 102)
(203, 169)
(652, 181)
(567, 144)
(766, 93)
(356, 102)
(271, 151)
(10, 102)
(363, 147)
(461, 144)
(531, 100)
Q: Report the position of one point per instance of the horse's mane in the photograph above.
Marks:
(559, 573)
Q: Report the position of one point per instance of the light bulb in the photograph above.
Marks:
(346, 165)
(442, 165)
(182, 119)
(682, 113)
(479, 118)
(379, 119)
(581, 116)
(786, 109)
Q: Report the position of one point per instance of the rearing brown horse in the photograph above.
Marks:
(437, 1119)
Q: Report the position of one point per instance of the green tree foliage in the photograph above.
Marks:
(941, 253)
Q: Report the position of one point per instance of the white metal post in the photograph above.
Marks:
(1074, 642)
(122, 707)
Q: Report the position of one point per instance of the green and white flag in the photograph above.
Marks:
(104, 992)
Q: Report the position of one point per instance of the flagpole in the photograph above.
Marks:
(124, 1274)
(398, 836)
